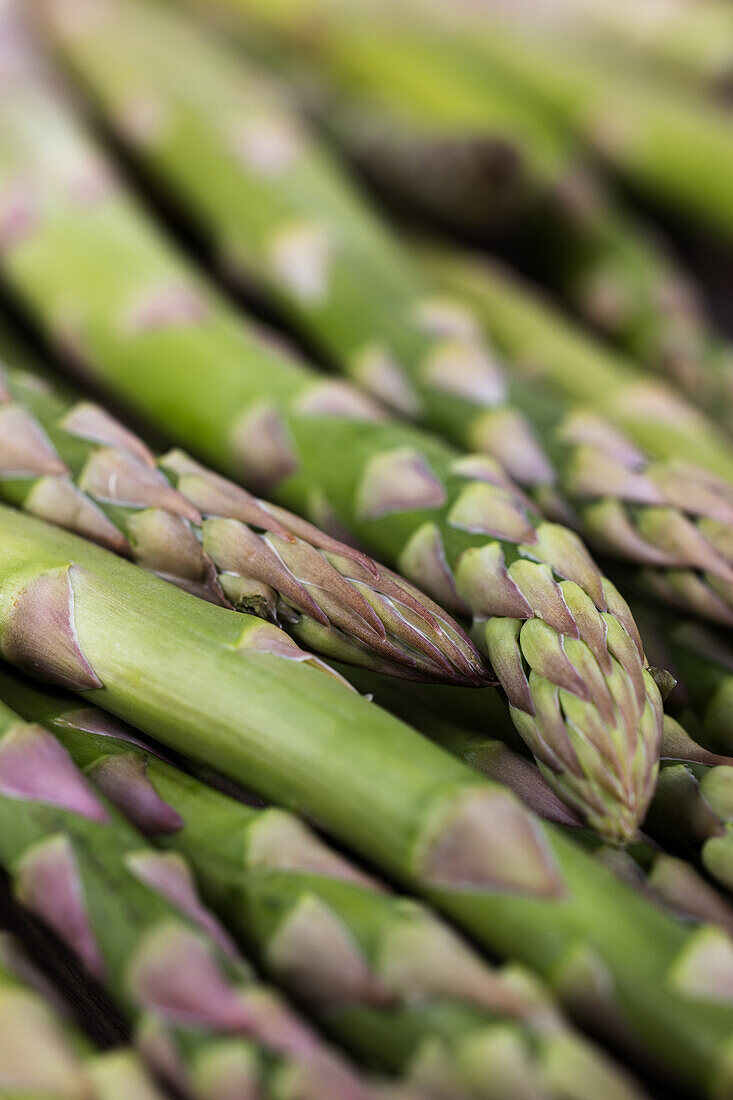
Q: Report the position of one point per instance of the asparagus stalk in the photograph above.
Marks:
(68, 461)
(223, 689)
(43, 1054)
(142, 322)
(135, 922)
(389, 980)
(673, 520)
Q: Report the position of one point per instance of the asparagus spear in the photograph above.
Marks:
(70, 462)
(141, 321)
(224, 690)
(675, 521)
(136, 923)
(96, 742)
(43, 1054)
(389, 979)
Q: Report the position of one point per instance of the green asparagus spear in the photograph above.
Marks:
(120, 302)
(42, 1054)
(136, 923)
(676, 521)
(385, 976)
(223, 689)
(70, 462)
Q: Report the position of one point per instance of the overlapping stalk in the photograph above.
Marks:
(129, 312)
(42, 1053)
(220, 688)
(68, 461)
(433, 126)
(135, 921)
(386, 977)
(636, 497)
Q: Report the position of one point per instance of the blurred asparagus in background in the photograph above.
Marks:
(635, 125)
(677, 38)
(43, 1054)
(441, 130)
(632, 123)
(89, 264)
(385, 976)
(701, 660)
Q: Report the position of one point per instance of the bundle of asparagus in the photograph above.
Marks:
(431, 124)
(601, 872)
(558, 634)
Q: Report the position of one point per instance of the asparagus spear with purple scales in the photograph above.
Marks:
(224, 690)
(387, 978)
(674, 520)
(136, 923)
(43, 1055)
(70, 462)
(136, 317)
